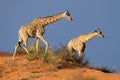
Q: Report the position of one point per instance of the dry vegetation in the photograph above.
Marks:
(57, 55)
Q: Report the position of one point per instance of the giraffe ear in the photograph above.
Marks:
(96, 31)
(98, 28)
(66, 11)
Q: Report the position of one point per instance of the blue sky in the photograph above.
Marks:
(87, 15)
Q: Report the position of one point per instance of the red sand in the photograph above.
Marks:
(22, 69)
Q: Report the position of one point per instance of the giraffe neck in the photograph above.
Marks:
(86, 37)
(44, 21)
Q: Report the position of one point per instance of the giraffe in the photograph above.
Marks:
(36, 29)
(79, 43)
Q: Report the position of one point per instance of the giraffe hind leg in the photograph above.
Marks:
(25, 44)
(16, 47)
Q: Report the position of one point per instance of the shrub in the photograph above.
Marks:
(51, 56)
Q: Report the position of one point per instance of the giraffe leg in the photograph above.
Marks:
(81, 55)
(26, 50)
(70, 50)
(45, 42)
(37, 44)
(25, 45)
(16, 47)
(71, 55)
(40, 36)
(81, 52)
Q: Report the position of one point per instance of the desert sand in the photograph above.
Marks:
(22, 69)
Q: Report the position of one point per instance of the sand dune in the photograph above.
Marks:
(22, 69)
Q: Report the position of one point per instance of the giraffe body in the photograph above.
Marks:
(79, 43)
(35, 29)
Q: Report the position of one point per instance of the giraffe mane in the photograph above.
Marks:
(82, 34)
(51, 15)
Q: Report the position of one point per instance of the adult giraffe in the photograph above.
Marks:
(35, 29)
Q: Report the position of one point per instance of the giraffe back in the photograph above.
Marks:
(76, 44)
(31, 29)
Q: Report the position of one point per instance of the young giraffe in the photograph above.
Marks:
(79, 43)
(36, 30)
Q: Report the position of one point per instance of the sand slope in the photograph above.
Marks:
(22, 69)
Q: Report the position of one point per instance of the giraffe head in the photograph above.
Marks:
(99, 33)
(67, 15)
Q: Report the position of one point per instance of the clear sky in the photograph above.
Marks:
(87, 15)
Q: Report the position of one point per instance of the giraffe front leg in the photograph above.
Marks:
(69, 52)
(81, 56)
(81, 53)
(71, 55)
(26, 50)
(44, 41)
(37, 44)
